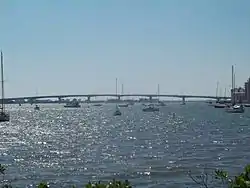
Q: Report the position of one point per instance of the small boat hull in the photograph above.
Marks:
(219, 106)
(69, 106)
(97, 105)
(72, 104)
(235, 109)
(150, 109)
(117, 113)
(123, 105)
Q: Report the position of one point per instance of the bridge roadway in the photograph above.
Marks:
(113, 95)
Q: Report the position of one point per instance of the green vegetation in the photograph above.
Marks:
(219, 178)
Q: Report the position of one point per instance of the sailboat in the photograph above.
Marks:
(218, 104)
(160, 103)
(117, 110)
(36, 107)
(4, 116)
(234, 108)
(122, 105)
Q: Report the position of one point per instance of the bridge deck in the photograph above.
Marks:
(114, 95)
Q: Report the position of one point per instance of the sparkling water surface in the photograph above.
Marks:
(150, 149)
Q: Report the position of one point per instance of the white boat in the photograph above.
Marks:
(218, 105)
(150, 108)
(72, 104)
(247, 105)
(235, 109)
(37, 107)
(4, 116)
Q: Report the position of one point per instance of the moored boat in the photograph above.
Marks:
(150, 108)
(72, 104)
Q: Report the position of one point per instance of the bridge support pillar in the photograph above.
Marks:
(31, 101)
(150, 98)
(183, 100)
(88, 99)
(59, 100)
(218, 100)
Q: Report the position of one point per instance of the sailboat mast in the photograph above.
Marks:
(217, 87)
(234, 89)
(233, 86)
(122, 89)
(158, 91)
(232, 77)
(220, 94)
(116, 86)
(2, 80)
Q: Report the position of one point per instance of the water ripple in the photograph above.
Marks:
(73, 146)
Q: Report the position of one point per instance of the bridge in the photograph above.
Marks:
(118, 96)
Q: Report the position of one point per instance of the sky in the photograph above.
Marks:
(81, 46)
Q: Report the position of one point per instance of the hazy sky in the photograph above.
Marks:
(80, 46)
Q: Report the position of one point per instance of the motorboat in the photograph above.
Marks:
(235, 109)
(72, 104)
(150, 108)
(218, 105)
(123, 105)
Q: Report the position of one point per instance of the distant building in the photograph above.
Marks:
(238, 95)
(247, 91)
(241, 94)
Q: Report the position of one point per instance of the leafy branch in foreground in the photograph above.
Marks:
(204, 180)
(223, 179)
(112, 184)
